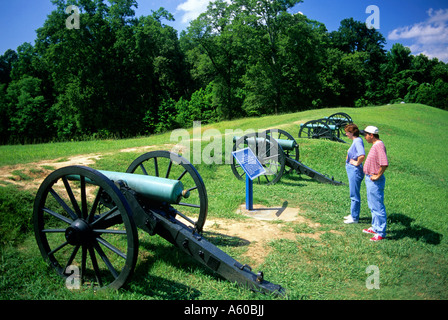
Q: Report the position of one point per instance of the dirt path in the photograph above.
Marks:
(29, 176)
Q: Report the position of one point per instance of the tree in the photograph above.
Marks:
(215, 44)
(112, 70)
(343, 78)
(355, 37)
(27, 110)
(264, 80)
(6, 62)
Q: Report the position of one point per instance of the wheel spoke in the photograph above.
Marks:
(105, 215)
(83, 261)
(58, 216)
(189, 205)
(266, 177)
(83, 198)
(72, 257)
(72, 198)
(169, 169)
(143, 169)
(106, 260)
(186, 218)
(182, 175)
(192, 189)
(111, 247)
(53, 230)
(156, 167)
(95, 266)
(95, 205)
(52, 252)
(63, 204)
(107, 231)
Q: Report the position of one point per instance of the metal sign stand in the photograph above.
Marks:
(253, 169)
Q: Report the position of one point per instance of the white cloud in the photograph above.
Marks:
(429, 37)
(192, 8)
(438, 16)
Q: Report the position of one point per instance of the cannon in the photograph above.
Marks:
(331, 128)
(278, 152)
(90, 219)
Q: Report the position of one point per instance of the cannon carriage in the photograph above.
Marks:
(90, 219)
(279, 153)
(331, 128)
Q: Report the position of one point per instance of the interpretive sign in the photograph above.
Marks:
(249, 162)
(253, 169)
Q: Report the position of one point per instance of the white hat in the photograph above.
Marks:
(369, 129)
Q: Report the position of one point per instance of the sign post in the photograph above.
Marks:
(253, 169)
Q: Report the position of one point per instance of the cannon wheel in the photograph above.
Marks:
(281, 134)
(341, 119)
(315, 129)
(169, 165)
(84, 228)
(269, 153)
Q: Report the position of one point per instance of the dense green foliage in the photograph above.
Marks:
(122, 76)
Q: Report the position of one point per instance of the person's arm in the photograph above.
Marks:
(383, 161)
(379, 174)
(358, 161)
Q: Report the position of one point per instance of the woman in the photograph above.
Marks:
(353, 165)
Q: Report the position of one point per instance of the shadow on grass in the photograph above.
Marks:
(409, 229)
(296, 180)
(143, 282)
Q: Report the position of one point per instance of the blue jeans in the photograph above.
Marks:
(375, 200)
(355, 176)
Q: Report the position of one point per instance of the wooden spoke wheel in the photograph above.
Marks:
(83, 227)
(269, 153)
(341, 119)
(315, 129)
(279, 134)
(169, 165)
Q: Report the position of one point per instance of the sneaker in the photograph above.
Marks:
(348, 217)
(350, 220)
(377, 238)
(370, 231)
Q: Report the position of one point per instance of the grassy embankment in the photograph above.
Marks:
(325, 259)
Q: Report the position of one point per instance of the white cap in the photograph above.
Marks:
(370, 129)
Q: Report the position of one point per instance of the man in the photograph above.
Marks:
(374, 168)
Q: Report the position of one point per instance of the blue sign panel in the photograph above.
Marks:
(249, 162)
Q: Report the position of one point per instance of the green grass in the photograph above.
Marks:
(413, 262)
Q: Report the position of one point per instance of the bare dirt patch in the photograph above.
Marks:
(264, 225)
(29, 176)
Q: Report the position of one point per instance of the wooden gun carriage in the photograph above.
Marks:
(89, 219)
(331, 128)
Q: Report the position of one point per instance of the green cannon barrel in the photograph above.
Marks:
(154, 188)
(285, 144)
(319, 125)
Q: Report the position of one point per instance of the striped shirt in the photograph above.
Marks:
(376, 159)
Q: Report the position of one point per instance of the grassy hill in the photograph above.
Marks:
(314, 257)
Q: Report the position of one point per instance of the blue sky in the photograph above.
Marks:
(422, 25)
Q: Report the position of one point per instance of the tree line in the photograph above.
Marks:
(119, 75)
